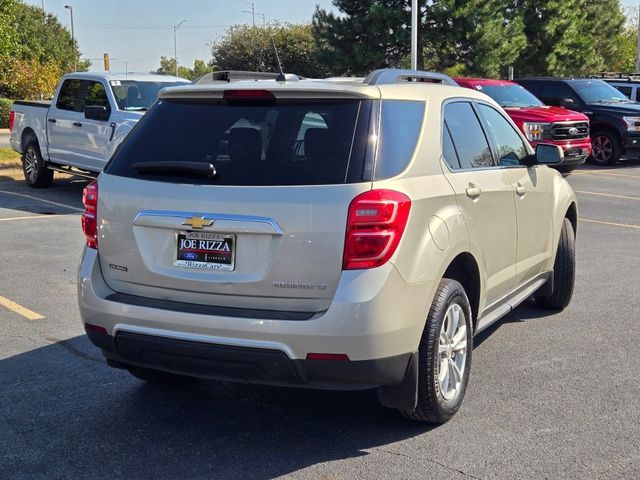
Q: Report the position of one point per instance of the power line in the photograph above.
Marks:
(116, 26)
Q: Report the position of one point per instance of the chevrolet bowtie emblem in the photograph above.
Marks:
(198, 222)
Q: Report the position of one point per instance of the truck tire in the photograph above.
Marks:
(157, 376)
(564, 271)
(444, 355)
(35, 170)
(606, 148)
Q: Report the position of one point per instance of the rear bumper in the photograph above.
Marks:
(248, 365)
(376, 319)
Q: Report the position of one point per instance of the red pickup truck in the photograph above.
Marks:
(539, 123)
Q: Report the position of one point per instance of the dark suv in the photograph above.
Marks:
(614, 119)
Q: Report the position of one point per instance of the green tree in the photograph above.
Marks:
(465, 36)
(34, 48)
(569, 37)
(251, 48)
(168, 67)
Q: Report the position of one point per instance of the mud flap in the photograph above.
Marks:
(403, 396)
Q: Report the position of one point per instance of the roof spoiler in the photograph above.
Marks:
(389, 76)
(227, 76)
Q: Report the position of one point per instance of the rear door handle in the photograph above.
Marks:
(77, 124)
(51, 120)
(520, 189)
(473, 191)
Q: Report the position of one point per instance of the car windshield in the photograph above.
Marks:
(510, 95)
(135, 95)
(598, 91)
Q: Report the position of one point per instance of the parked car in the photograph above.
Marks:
(614, 119)
(413, 217)
(627, 83)
(91, 113)
(538, 122)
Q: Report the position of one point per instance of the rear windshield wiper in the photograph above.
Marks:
(195, 168)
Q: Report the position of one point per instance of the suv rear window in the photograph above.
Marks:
(286, 143)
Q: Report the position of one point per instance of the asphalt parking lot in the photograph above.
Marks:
(551, 395)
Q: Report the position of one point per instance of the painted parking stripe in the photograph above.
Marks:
(24, 195)
(29, 217)
(625, 197)
(612, 224)
(607, 173)
(19, 309)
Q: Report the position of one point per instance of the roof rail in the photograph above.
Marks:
(237, 75)
(617, 75)
(387, 76)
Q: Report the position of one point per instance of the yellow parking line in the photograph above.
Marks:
(626, 197)
(42, 200)
(29, 217)
(19, 309)
(613, 224)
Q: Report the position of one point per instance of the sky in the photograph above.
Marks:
(136, 33)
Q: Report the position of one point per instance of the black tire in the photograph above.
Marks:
(564, 271)
(36, 173)
(432, 405)
(606, 147)
(157, 376)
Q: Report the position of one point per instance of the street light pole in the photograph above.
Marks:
(252, 12)
(73, 39)
(414, 34)
(175, 44)
(638, 43)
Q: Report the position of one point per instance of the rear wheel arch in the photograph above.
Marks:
(28, 135)
(464, 269)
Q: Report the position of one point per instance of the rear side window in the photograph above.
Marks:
(467, 135)
(69, 96)
(448, 150)
(400, 126)
(287, 143)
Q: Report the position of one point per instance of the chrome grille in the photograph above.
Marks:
(569, 131)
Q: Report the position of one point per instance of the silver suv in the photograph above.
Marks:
(326, 234)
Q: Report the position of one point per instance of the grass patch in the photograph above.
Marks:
(9, 158)
(7, 155)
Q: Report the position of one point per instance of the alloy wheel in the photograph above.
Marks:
(452, 352)
(31, 165)
(602, 149)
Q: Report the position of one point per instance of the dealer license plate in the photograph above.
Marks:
(212, 251)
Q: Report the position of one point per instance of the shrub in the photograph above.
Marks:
(5, 108)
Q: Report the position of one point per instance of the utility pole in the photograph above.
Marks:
(73, 39)
(252, 12)
(414, 34)
(175, 44)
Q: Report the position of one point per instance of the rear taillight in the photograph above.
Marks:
(375, 225)
(12, 119)
(90, 215)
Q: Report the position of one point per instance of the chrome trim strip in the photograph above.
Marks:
(210, 216)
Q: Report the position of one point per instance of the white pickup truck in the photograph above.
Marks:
(91, 113)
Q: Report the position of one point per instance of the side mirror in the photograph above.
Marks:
(97, 112)
(549, 154)
(567, 102)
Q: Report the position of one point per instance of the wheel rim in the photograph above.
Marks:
(602, 148)
(452, 352)
(31, 165)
